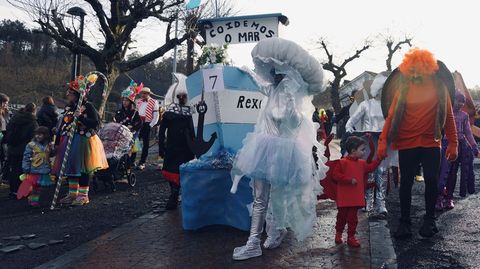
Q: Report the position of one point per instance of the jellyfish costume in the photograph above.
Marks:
(277, 155)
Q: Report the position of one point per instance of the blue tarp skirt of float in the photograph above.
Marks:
(206, 197)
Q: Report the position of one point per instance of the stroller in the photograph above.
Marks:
(117, 142)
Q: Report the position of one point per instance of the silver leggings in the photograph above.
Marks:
(261, 191)
(380, 178)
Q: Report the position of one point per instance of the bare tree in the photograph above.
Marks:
(338, 70)
(393, 46)
(117, 19)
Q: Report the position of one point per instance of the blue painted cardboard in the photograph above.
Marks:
(206, 197)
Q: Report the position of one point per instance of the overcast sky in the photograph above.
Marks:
(450, 29)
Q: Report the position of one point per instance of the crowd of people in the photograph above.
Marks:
(423, 127)
(36, 151)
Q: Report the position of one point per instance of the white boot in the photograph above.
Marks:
(380, 208)
(251, 250)
(275, 238)
(380, 195)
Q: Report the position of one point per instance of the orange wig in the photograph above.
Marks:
(419, 61)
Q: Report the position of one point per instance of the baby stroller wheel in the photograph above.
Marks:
(132, 179)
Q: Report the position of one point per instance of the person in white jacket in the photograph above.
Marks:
(368, 118)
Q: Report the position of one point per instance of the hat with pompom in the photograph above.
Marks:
(131, 91)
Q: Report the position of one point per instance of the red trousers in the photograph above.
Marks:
(347, 215)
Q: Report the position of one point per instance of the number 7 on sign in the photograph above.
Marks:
(213, 79)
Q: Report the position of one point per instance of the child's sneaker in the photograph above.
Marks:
(439, 204)
(353, 242)
(81, 200)
(274, 240)
(338, 238)
(68, 199)
(250, 250)
(450, 204)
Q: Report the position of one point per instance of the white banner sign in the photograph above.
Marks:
(213, 79)
(239, 106)
(231, 107)
(242, 30)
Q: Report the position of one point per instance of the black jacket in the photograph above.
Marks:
(129, 117)
(20, 131)
(175, 151)
(47, 116)
(87, 125)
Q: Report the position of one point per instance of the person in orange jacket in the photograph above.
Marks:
(420, 111)
(349, 175)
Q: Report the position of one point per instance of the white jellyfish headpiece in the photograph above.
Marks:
(179, 86)
(288, 58)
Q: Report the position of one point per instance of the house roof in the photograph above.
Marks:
(354, 84)
(370, 73)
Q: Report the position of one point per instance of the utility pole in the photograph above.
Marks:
(175, 50)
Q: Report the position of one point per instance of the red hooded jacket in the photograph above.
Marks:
(348, 195)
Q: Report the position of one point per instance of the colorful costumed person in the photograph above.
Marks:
(148, 109)
(284, 195)
(420, 110)
(36, 167)
(128, 116)
(177, 122)
(369, 118)
(467, 149)
(86, 154)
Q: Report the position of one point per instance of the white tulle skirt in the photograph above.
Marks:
(281, 161)
(288, 165)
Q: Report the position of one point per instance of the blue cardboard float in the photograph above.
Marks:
(233, 106)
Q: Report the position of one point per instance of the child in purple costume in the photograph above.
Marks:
(467, 149)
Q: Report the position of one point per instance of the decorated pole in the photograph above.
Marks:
(85, 84)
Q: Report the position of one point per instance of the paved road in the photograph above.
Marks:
(162, 243)
(456, 246)
(158, 241)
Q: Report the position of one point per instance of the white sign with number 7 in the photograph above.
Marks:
(213, 79)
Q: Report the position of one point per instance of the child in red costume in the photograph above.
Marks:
(349, 174)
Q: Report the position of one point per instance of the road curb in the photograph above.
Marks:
(382, 253)
(87, 248)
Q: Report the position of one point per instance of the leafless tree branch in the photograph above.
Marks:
(393, 47)
(338, 71)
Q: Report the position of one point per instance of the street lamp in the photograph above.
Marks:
(77, 58)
